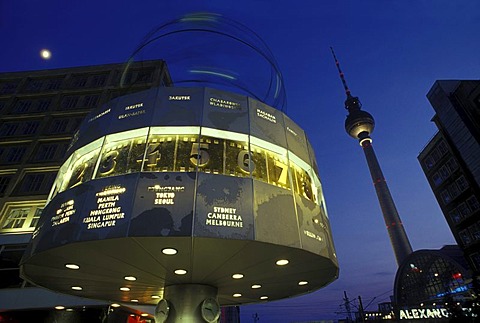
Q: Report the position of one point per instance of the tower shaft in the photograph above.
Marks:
(398, 237)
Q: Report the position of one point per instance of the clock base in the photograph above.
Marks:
(191, 303)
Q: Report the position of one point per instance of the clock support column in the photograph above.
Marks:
(188, 303)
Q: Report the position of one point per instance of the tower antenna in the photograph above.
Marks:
(342, 76)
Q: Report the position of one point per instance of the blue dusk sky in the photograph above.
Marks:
(391, 53)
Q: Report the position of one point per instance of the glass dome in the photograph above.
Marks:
(205, 49)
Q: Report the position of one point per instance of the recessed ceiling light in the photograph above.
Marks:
(155, 296)
(180, 271)
(134, 300)
(59, 307)
(303, 282)
(124, 289)
(72, 266)
(237, 276)
(169, 251)
(144, 314)
(130, 278)
(115, 305)
(256, 286)
(263, 297)
(69, 310)
(282, 262)
(77, 288)
(237, 295)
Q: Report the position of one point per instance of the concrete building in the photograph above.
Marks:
(39, 114)
(451, 161)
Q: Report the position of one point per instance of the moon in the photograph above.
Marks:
(45, 54)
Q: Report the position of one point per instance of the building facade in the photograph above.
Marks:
(451, 161)
(39, 114)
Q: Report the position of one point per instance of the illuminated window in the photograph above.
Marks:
(20, 217)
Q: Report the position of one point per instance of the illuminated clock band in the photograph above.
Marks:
(189, 149)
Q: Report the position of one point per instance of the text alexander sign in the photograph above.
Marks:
(423, 313)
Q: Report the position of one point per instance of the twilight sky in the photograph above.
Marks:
(391, 53)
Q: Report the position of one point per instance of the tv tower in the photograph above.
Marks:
(359, 125)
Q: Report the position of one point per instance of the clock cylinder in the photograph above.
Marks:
(185, 186)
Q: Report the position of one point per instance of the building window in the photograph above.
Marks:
(475, 257)
(50, 151)
(4, 182)
(70, 102)
(79, 81)
(473, 203)
(446, 198)
(30, 127)
(465, 237)
(463, 209)
(455, 216)
(15, 219)
(8, 87)
(444, 172)
(34, 85)
(98, 80)
(36, 183)
(22, 106)
(53, 84)
(90, 101)
(15, 154)
(453, 190)
(475, 231)
(20, 217)
(10, 256)
(442, 147)
(43, 105)
(452, 165)
(462, 183)
(59, 126)
(437, 179)
(8, 129)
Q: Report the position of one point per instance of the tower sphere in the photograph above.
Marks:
(358, 122)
